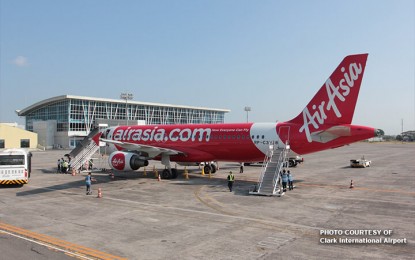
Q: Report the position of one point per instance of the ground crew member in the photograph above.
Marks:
(241, 168)
(62, 161)
(284, 178)
(59, 166)
(231, 179)
(65, 166)
(88, 181)
(290, 181)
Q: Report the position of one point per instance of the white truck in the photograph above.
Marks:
(15, 166)
(360, 163)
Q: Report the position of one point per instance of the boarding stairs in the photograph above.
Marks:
(269, 183)
(84, 151)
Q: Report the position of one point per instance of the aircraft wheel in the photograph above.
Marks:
(166, 174)
(213, 167)
(207, 169)
(292, 163)
(174, 173)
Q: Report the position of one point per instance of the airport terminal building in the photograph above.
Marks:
(63, 121)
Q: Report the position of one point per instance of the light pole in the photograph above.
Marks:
(247, 109)
(126, 97)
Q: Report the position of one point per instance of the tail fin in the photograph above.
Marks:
(335, 102)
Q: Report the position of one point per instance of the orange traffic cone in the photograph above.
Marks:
(99, 193)
(351, 184)
(73, 172)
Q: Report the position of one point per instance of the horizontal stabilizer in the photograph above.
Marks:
(331, 134)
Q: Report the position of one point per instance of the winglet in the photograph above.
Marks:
(96, 138)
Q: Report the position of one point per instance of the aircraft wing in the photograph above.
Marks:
(151, 150)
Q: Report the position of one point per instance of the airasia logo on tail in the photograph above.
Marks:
(334, 93)
(118, 161)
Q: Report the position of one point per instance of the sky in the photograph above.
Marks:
(270, 55)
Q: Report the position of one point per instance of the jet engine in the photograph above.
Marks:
(125, 161)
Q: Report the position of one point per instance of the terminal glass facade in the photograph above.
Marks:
(56, 111)
(80, 115)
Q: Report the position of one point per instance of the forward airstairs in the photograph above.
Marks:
(269, 183)
(84, 151)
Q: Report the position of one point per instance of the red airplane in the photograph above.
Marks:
(323, 124)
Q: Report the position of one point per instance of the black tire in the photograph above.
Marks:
(174, 173)
(292, 163)
(207, 169)
(213, 167)
(166, 174)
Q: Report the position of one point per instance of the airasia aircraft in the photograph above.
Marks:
(323, 124)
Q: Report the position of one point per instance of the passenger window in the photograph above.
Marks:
(257, 137)
(263, 137)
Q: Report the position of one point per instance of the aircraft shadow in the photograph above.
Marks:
(241, 187)
(52, 188)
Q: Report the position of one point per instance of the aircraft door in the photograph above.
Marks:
(284, 135)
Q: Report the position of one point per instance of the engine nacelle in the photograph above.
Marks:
(124, 161)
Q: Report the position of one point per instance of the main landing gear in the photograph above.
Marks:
(168, 173)
(209, 168)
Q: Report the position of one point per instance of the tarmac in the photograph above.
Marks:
(139, 217)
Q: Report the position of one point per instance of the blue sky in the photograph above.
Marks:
(270, 55)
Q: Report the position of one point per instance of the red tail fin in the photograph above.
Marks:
(96, 138)
(335, 102)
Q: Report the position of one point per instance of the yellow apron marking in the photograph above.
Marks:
(71, 247)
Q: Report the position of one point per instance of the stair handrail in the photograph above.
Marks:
(281, 161)
(84, 143)
(267, 159)
(84, 155)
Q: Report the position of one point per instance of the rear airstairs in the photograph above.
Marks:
(269, 183)
(84, 151)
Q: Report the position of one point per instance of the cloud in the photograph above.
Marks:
(21, 61)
